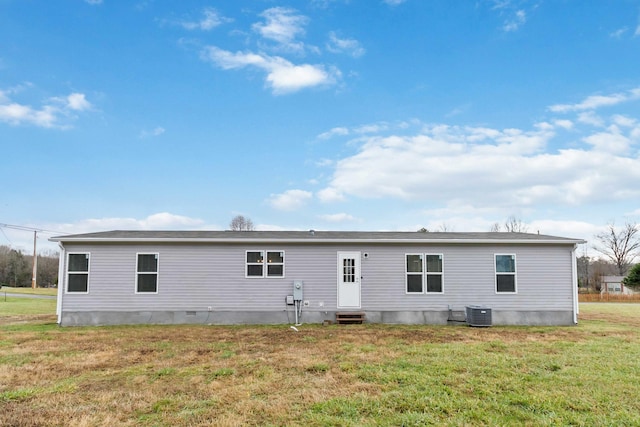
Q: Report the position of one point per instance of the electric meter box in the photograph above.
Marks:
(297, 290)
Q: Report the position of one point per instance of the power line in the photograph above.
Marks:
(25, 228)
(5, 236)
(34, 275)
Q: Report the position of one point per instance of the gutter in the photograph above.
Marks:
(574, 284)
(308, 240)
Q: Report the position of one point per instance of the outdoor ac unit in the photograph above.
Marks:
(478, 315)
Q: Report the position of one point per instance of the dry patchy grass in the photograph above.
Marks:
(334, 375)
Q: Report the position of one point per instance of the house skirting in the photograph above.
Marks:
(98, 318)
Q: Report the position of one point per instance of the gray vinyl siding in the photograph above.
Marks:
(198, 276)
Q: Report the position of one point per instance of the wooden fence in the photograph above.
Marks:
(607, 297)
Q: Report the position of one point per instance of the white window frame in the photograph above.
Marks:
(409, 273)
(265, 264)
(157, 273)
(88, 273)
(424, 273)
(514, 274)
(434, 273)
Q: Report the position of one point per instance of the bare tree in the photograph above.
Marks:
(511, 225)
(47, 269)
(444, 227)
(620, 246)
(240, 223)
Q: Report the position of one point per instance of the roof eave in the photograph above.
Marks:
(312, 240)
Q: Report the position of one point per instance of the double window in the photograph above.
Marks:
(424, 273)
(147, 273)
(78, 272)
(505, 273)
(264, 264)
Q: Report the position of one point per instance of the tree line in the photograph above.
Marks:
(16, 268)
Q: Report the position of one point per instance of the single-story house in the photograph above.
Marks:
(254, 277)
(614, 285)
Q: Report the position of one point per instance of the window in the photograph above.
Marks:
(414, 273)
(147, 273)
(348, 270)
(255, 262)
(78, 272)
(424, 273)
(505, 273)
(434, 273)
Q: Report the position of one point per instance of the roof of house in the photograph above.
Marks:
(313, 236)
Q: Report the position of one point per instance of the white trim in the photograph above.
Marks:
(157, 273)
(247, 264)
(440, 273)
(424, 273)
(265, 264)
(407, 273)
(61, 281)
(574, 280)
(311, 241)
(356, 255)
(514, 274)
(67, 272)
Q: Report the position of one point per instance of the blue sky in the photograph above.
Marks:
(324, 114)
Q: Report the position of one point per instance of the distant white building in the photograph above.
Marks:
(613, 285)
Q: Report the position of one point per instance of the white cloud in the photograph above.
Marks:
(337, 131)
(565, 228)
(56, 112)
(210, 19)
(618, 33)
(78, 102)
(157, 221)
(565, 124)
(348, 46)
(339, 217)
(637, 32)
(596, 101)
(149, 133)
(371, 128)
(487, 167)
(612, 141)
(393, 2)
(330, 194)
(282, 25)
(516, 21)
(590, 118)
(324, 163)
(93, 2)
(290, 200)
(500, 4)
(624, 121)
(17, 114)
(282, 75)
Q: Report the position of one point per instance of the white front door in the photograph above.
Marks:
(348, 279)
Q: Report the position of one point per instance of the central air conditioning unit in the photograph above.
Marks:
(478, 315)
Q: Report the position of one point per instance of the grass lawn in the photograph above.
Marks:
(333, 375)
(14, 306)
(36, 291)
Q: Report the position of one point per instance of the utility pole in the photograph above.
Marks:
(34, 274)
(35, 261)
